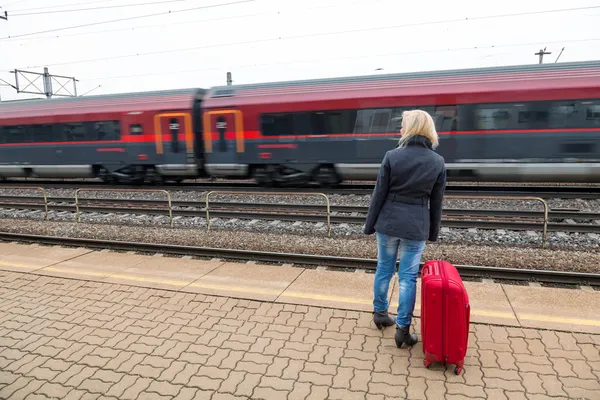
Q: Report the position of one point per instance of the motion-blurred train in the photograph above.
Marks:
(519, 123)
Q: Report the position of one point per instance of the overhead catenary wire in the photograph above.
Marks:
(20, 14)
(309, 35)
(127, 19)
(179, 23)
(79, 3)
(11, 4)
(27, 36)
(320, 59)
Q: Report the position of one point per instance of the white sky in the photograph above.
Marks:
(258, 40)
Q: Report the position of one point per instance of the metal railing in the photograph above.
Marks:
(323, 195)
(169, 202)
(40, 189)
(511, 198)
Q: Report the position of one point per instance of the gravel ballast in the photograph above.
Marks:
(528, 239)
(360, 246)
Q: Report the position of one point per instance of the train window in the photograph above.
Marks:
(564, 115)
(363, 121)
(3, 134)
(591, 113)
(493, 116)
(534, 118)
(445, 118)
(74, 132)
(381, 120)
(136, 130)
(267, 125)
(42, 133)
(277, 124)
(317, 120)
(340, 122)
(107, 130)
(18, 134)
(301, 123)
(396, 120)
(174, 128)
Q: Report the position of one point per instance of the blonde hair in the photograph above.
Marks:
(415, 123)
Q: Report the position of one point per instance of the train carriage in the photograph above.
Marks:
(535, 122)
(139, 137)
(520, 123)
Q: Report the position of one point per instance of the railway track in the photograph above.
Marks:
(577, 221)
(583, 192)
(346, 263)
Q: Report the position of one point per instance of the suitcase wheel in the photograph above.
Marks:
(427, 363)
(458, 370)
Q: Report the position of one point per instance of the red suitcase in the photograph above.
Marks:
(445, 315)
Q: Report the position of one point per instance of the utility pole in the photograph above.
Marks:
(48, 79)
(541, 53)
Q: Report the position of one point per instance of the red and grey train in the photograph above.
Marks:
(519, 123)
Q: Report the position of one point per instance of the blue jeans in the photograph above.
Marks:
(410, 257)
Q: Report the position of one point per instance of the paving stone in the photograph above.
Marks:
(246, 387)
(164, 388)
(300, 392)
(563, 367)
(532, 383)
(466, 390)
(32, 386)
(552, 386)
(54, 390)
(118, 389)
(108, 341)
(132, 392)
(416, 388)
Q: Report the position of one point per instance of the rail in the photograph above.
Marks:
(511, 198)
(323, 195)
(169, 201)
(41, 189)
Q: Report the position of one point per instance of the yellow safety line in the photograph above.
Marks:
(75, 271)
(291, 294)
(324, 297)
(558, 320)
(243, 289)
(18, 265)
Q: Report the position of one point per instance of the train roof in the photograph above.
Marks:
(122, 102)
(506, 78)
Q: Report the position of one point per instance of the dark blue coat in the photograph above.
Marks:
(407, 199)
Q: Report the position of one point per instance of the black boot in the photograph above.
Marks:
(382, 320)
(403, 335)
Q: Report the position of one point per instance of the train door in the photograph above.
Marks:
(174, 138)
(224, 142)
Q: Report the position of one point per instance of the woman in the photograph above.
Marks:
(411, 177)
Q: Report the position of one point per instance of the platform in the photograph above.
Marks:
(78, 324)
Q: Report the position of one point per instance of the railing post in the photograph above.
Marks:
(41, 189)
(170, 207)
(207, 212)
(77, 204)
(544, 203)
(328, 213)
(545, 234)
